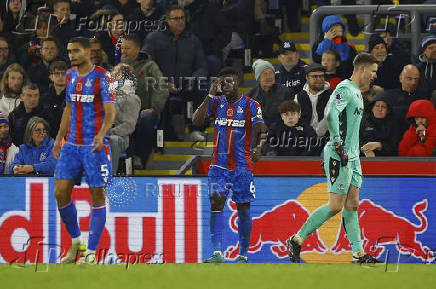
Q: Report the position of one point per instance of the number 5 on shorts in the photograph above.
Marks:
(104, 172)
(252, 189)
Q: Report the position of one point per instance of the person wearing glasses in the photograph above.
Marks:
(314, 98)
(55, 97)
(35, 156)
(29, 107)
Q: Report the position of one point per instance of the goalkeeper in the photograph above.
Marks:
(341, 161)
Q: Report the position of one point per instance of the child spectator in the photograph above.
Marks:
(331, 61)
(7, 149)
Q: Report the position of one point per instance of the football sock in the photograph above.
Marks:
(69, 217)
(96, 226)
(316, 219)
(216, 229)
(352, 229)
(244, 230)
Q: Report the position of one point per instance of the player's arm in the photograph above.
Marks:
(201, 113)
(65, 122)
(109, 111)
(338, 102)
(259, 139)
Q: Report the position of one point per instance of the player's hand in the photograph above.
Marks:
(214, 87)
(97, 143)
(340, 150)
(255, 154)
(56, 149)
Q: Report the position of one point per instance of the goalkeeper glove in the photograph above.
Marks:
(339, 149)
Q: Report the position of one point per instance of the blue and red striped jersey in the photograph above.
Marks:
(233, 131)
(87, 95)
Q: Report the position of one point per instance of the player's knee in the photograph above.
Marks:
(61, 196)
(217, 203)
(335, 208)
(243, 206)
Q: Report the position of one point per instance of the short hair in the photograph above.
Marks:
(31, 125)
(174, 7)
(31, 86)
(50, 39)
(14, 67)
(289, 105)
(56, 2)
(333, 52)
(226, 71)
(94, 40)
(134, 38)
(58, 65)
(83, 41)
(364, 58)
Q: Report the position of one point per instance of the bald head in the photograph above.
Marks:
(409, 78)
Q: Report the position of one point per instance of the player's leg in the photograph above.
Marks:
(243, 192)
(217, 196)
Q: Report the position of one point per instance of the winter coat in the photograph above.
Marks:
(41, 158)
(388, 73)
(383, 130)
(340, 44)
(294, 79)
(8, 104)
(410, 145)
(270, 101)
(428, 70)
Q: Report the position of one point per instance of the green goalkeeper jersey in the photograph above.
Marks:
(344, 116)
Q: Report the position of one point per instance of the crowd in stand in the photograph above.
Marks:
(159, 51)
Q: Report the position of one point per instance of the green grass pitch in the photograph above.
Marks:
(223, 276)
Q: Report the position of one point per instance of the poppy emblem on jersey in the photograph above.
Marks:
(88, 83)
(79, 86)
(229, 112)
(240, 110)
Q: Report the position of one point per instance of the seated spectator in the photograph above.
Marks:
(127, 111)
(35, 155)
(148, 13)
(331, 61)
(268, 93)
(13, 14)
(420, 139)
(314, 99)
(98, 56)
(427, 60)
(13, 80)
(369, 92)
(395, 46)
(379, 134)
(292, 137)
(112, 38)
(125, 7)
(6, 57)
(388, 68)
(7, 149)
(65, 28)
(412, 88)
(290, 72)
(152, 92)
(55, 97)
(28, 108)
(333, 39)
(39, 73)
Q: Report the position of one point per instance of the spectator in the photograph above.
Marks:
(208, 23)
(292, 137)
(65, 28)
(180, 57)
(379, 134)
(314, 99)
(127, 111)
(111, 39)
(39, 73)
(412, 88)
(388, 68)
(13, 80)
(35, 155)
(290, 72)
(394, 45)
(152, 92)
(125, 7)
(13, 14)
(6, 57)
(420, 139)
(333, 39)
(28, 108)
(98, 56)
(7, 149)
(150, 14)
(369, 93)
(427, 60)
(331, 61)
(268, 93)
(55, 97)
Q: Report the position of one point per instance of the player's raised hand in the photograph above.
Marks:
(255, 154)
(214, 87)
(97, 143)
(340, 150)
(56, 149)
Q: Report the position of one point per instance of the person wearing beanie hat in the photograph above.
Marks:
(394, 44)
(268, 93)
(7, 149)
(427, 60)
(389, 70)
